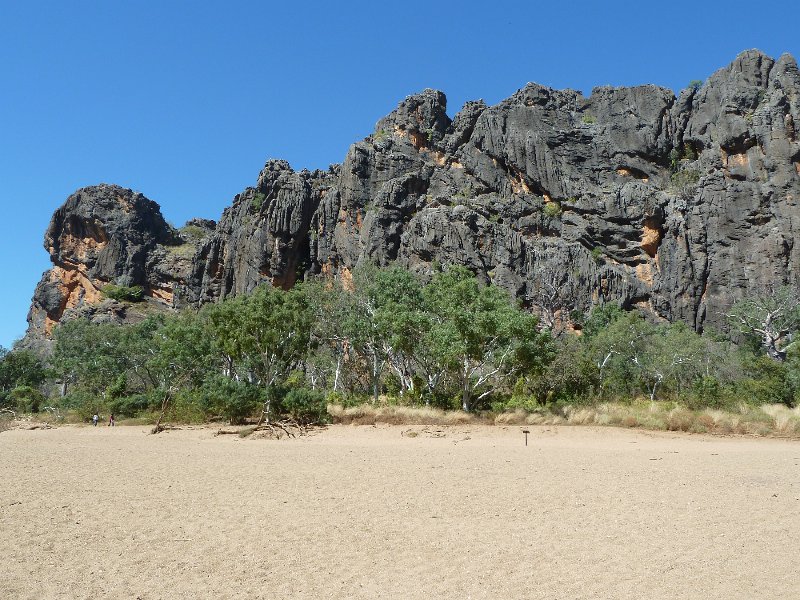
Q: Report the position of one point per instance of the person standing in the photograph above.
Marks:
(95, 419)
(111, 420)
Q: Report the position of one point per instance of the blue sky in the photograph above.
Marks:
(184, 101)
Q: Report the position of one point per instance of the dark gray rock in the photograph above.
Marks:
(565, 201)
(106, 235)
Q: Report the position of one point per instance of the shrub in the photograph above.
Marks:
(118, 388)
(193, 233)
(186, 408)
(674, 160)
(684, 182)
(552, 209)
(26, 398)
(232, 399)
(123, 293)
(589, 119)
(82, 403)
(464, 193)
(258, 201)
(695, 84)
(306, 406)
(5, 421)
(130, 406)
(706, 392)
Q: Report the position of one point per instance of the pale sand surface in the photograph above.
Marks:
(364, 512)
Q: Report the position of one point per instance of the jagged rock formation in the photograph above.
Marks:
(674, 205)
(109, 235)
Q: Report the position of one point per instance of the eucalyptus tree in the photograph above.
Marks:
(272, 332)
(89, 355)
(633, 355)
(330, 306)
(773, 317)
(182, 355)
(401, 321)
(19, 368)
(479, 336)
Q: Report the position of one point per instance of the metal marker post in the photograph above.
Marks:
(526, 432)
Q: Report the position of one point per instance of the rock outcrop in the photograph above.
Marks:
(106, 235)
(677, 206)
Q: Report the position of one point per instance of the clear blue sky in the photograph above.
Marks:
(185, 100)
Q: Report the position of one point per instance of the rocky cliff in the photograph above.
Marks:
(677, 206)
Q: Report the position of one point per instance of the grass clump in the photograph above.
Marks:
(775, 420)
(684, 182)
(552, 209)
(367, 414)
(258, 201)
(192, 233)
(123, 293)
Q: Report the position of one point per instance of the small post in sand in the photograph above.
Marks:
(526, 432)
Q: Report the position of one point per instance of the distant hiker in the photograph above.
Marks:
(111, 420)
(95, 419)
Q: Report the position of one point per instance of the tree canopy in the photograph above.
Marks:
(387, 335)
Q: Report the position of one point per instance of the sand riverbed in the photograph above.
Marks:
(367, 512)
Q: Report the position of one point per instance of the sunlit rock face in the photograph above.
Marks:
(677, 206)
(107, 235)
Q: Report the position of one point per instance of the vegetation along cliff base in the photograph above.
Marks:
(551, 254)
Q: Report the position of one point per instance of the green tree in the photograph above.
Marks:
(234, 400)
(306, 406)
(19, 369)
(273, 334)
(570, 377)
(182, 356)
(773, 318)
(89, 355)
(613, 339)
(363, 325)
(224, 324)
(632, 354)
(330, 305)
(479, 336)
(398, 299)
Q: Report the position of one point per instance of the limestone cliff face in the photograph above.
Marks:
(677, 206)
(108, 235)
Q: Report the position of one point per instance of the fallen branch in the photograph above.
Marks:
(159, 428)
(38, 426)
(289, 427)
(232, 431)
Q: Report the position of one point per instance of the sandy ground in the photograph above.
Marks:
(365, 512)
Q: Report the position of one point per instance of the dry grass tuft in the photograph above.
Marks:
(581, 416)
(516, 417)
(8, 420)
(769, 420)
(246, 432)
(785, 420)
(397, 415)
(680, 419)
